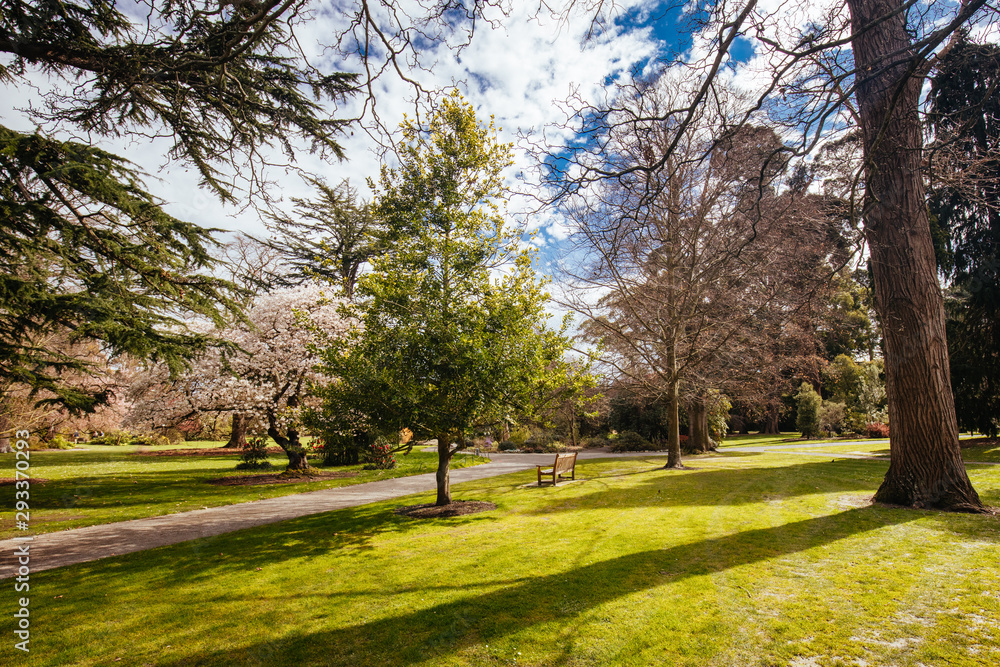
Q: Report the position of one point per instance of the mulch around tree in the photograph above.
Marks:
(277, 478)
(456, 508)
(9, 481)
(214, 451)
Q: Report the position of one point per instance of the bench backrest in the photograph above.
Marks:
(564, 462)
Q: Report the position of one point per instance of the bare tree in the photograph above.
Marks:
(693, 261)
(819, 78)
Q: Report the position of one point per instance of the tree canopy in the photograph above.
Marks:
(87, 249)
(453, 334)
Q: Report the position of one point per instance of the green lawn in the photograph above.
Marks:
(107, 484)
(743, 559)
(979, 454)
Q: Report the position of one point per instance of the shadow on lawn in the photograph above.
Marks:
(558, 599)
(705, 485)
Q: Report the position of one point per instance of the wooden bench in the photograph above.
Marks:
(564, 465)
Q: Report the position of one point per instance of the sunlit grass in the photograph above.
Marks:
(743, 559)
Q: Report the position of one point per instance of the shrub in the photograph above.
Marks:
(520, 435)
(877, 430)
(254, 456)
(630, 441)
(831, 416)
(379, 456)
(507, 446)
(340, 449)
(544, 446)
(59, 442)
(595, 442)
(807, 416)
(113, 439)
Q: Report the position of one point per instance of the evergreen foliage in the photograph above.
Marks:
(86, 251)
(965, 207)
(331, 237)
(807, 403)
(221, 79)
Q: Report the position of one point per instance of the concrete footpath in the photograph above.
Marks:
(80, 545)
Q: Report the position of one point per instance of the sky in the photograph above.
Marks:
(521, 71)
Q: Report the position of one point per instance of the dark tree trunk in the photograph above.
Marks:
(699, 439)
(772, 424)
(293, 449)
(443, 477)
(925, 468)
(238, 436)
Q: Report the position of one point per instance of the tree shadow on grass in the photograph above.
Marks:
(704, 485)
(559, 599)
(348, 532)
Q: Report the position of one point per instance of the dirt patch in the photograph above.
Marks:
(456, 508)
(9, 481)
(979, 442)
(277, 478)
(216, 451)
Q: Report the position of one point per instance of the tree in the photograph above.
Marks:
(807, 404)
(453, 337)
(965, 212)
(693, 261)
(86, 248)
(333, 237)
(266, 377)
(813, 86)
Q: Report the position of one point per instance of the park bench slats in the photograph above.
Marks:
(563, 466)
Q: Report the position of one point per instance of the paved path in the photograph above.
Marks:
(79, 545)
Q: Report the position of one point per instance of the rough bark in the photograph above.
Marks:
(443, 481)
(699, 439)
(772, 419)
(293, 449)
(926, 468)
(238, 436)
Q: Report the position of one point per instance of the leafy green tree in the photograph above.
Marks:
(451, 342)
(808, 403)
(86, 250)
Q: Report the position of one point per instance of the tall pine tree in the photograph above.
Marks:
(84, 248)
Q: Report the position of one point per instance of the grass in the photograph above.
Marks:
(108, 484)
(979, 454)
(743, 559)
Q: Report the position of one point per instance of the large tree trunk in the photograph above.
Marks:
(293, 449)
(772, 419)
(699, 440)
(926, 468)
(443, 481)
(238, 436)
